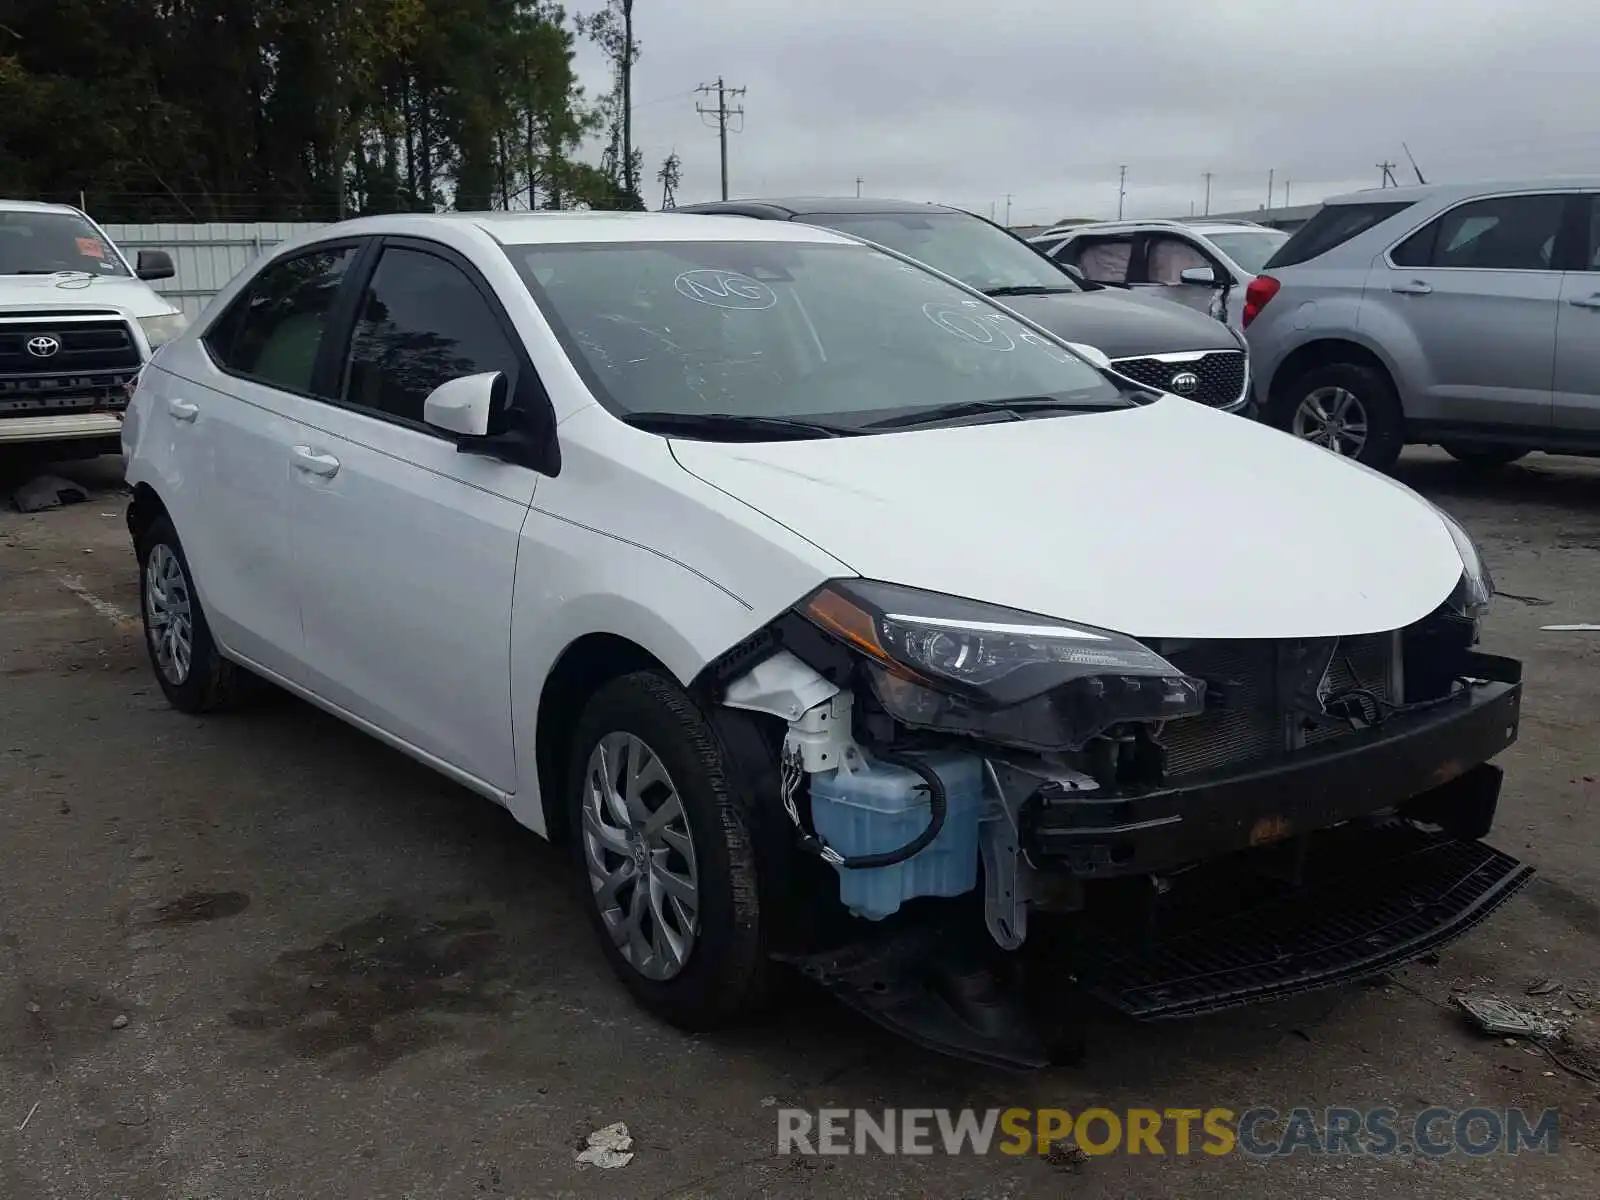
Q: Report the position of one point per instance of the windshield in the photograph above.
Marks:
(39, 243)
(1250, 249)
(975, 252)
(789, 330)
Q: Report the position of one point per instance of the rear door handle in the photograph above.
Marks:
(1586, 301)
(1415, 288)
(182, 410)
(311, 462)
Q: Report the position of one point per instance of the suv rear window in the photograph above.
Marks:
(1333, 225)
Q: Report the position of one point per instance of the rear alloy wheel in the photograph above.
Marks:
(1347, 408)
(663, 844)
(192, 673)
(1486, 456)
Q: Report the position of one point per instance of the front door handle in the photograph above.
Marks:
(326, 466)
(182, 410)
(1586, 301)
(1415, 288)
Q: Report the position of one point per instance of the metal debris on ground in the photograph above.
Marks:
(1572, 628)
(1508, 1020)
(1543, 987)
(609, 1147)
(44, 492)
(120, 1021)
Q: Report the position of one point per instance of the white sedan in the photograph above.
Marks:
(829, 610)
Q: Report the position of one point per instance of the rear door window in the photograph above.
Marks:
(273, 332)
(1502, 233)
(1104, 260)
(1333, 226)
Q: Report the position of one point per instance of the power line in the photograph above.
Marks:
(722, 112)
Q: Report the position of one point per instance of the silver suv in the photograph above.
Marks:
(1205, 263)
(1462, 315)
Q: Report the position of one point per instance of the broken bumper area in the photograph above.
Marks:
(1327, 866)
(1405, 764)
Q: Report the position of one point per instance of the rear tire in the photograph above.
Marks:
(1487, 457)
(655, 811)
(1345, 407)
(192, 673)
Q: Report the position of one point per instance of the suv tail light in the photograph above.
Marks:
(1262, 288)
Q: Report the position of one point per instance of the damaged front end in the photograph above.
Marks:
(1012, 808)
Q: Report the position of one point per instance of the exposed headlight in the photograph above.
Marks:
(162, 328)
(1476, 587)
(963, 666)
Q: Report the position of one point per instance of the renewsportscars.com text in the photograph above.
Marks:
(1258, 1132)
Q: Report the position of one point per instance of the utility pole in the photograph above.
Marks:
(1286, 193)
(1208, 194)
(1008, 210)
(1388, 174)
(1122, 188)
(1270, 172)
(721, 112)
(858, 187)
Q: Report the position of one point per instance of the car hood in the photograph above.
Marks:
(1167, 520)
(132, 296)
(1123, 324)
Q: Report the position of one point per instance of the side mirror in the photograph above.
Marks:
(1096, 356)
(154, 264)
(1204, 276)
(467, 406)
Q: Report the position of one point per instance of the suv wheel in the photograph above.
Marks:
(1484, 456)
(191, 671)
(665, 853)
(1347, 408)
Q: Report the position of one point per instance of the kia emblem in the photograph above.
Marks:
(1185, 383)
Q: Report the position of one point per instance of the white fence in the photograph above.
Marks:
(206, 256)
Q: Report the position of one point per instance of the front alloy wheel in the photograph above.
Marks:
(1334, 418)
(640, 856)
(662, 841)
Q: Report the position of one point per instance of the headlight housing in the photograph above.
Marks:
(963, 666)
(163, 327)
(1476, 586)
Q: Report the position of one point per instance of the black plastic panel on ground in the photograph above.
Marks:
(1380, 915)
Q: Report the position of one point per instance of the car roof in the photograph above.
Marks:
(782, 208)
(35, 206)
(536, 228)
(1428, 191)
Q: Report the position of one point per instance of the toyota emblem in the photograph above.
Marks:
(43, 346)
(1185, 383)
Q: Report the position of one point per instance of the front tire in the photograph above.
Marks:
(665, 854)
(1487, 457)
(192, 673)
(1345, 407)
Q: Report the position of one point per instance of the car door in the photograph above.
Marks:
(1475, 291)
(1577, 372)
(1157, 266)
(405, 547)
(233, 413)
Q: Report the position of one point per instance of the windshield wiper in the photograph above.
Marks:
(972, 408)
(746, 428)
(1028, 289)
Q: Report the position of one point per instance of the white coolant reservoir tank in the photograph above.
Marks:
(873, 807)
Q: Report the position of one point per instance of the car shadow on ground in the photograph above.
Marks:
(1539, 480)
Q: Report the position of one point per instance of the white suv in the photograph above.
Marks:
(1205, 263)
(76, 324)
(798, 585)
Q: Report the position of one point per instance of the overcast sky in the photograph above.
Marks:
(964, 101)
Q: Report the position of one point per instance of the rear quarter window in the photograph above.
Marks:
(1333, 225)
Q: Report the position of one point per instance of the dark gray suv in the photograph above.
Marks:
(1152, 341)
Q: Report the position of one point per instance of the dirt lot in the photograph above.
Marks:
(343, 976)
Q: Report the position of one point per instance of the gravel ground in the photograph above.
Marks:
(343, 976)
